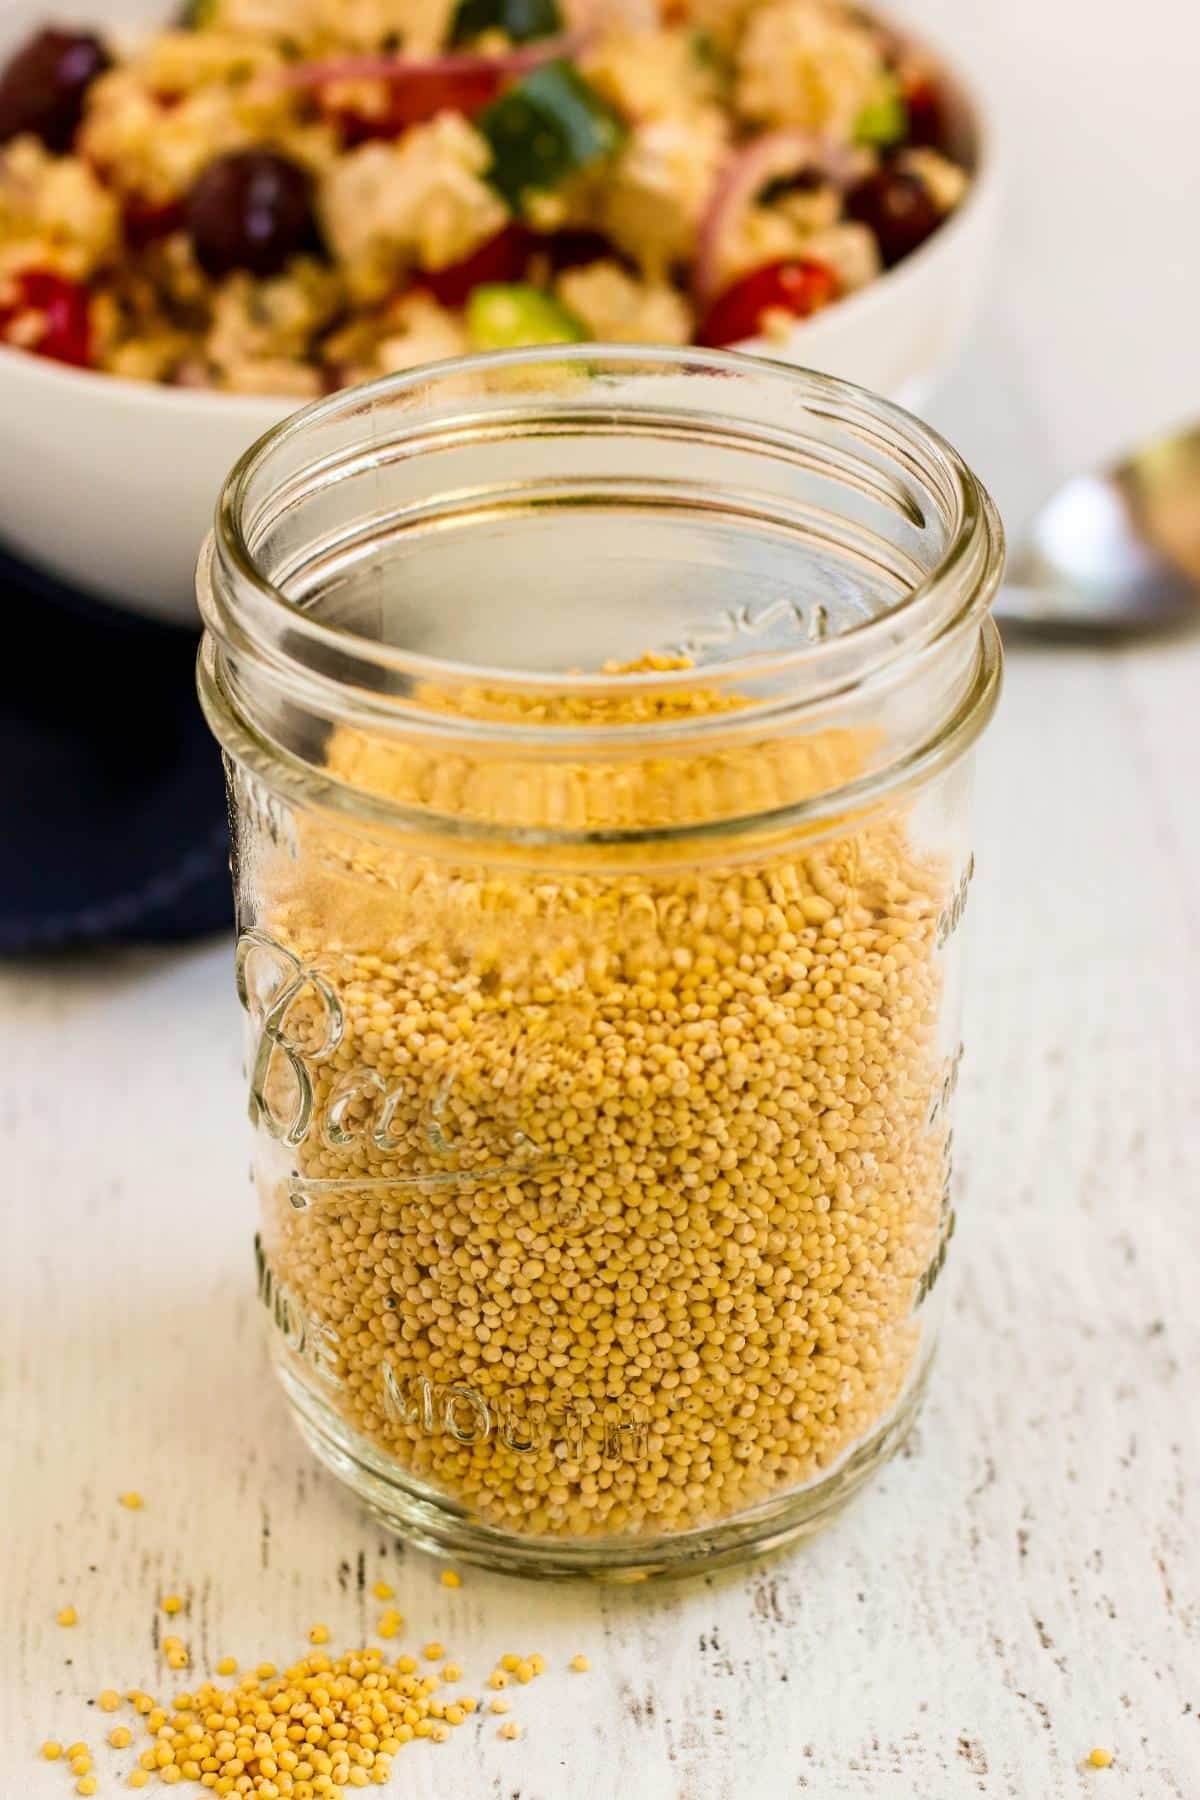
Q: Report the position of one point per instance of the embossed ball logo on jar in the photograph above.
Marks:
(298, 1025)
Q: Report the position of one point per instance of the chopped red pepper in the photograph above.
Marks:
(61, 310)
(501, 258)
(927, 125)
(145, 221)
(413, 103)
(799, 287)
(505, 258)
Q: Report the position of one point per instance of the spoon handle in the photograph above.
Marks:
(1035, 614)
(1024, 611)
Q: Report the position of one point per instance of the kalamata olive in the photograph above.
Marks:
(899, 209)
(43, 85)
(573, 247)
(251, 209)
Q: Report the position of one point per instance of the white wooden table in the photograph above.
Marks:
(1023, 1583)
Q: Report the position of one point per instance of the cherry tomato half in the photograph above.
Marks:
(799, 287)
(61, 310)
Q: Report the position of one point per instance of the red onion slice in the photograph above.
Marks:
(772, 157)
(466, 65)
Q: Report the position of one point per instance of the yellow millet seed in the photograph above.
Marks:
(499, 1705)
(51, 1750)
(685, 1169)
(87, 1784)
(510, 1729)
(537, 1663)
(66, 1615)
(227, 1665)
(323, 1724)
(497, 1679)
(109, 1700)
(450, 1578)
(81, 1763)
(433, 1652)
(511, 1662)
(1100, 1759)
(138, 1778)
(318, 1634)
(172, 1603)
(452, 1671)
(177, 1658)
(581, 1663)
(79, 1749)
(132, 1500)
(120, 1737)
(383, 1590)
(389, 1624)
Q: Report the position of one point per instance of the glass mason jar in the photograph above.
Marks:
(598, 729)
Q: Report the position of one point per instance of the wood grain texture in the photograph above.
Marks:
(1019, 1585)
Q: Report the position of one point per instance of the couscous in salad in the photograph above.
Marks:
(285, 196)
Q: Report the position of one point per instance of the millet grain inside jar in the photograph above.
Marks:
(632, 1170)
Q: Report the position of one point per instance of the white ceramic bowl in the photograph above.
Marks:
(111, 484)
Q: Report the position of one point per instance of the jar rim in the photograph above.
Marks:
(240, 602)
(952, 739)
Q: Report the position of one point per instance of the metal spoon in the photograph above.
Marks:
(1116, 552)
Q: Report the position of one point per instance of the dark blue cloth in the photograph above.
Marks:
(112, 809)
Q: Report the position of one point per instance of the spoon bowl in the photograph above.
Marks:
(1115, 553)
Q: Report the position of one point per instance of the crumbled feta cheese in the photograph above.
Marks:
(421, 200)
(654, 196)
(799, 63)
(617, 308)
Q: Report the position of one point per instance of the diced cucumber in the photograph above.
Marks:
(545, 128)
(509, 315)
(519, 20)
(884, 119)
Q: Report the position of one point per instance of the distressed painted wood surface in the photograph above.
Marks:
(1020, 1585)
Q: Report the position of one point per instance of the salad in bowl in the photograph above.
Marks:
(281, 197)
